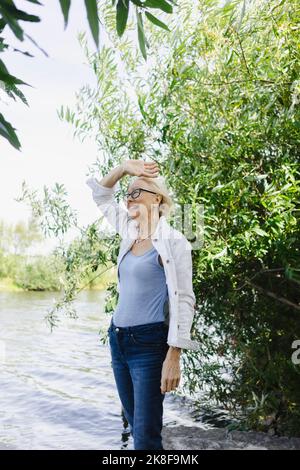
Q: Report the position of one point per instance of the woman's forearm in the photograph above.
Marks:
(131, 168)
(113, 176)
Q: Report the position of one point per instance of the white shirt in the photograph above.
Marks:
(175, 252)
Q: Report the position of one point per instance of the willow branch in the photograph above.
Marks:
(274, 296)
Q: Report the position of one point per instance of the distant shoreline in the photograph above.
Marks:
(7, 285)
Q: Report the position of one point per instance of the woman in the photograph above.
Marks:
(153, 318)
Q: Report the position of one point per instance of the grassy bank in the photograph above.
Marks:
(8, 284)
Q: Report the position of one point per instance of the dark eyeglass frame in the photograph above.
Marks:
(138, 193)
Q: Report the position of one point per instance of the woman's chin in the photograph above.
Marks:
(133, 212)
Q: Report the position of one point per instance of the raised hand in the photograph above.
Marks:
(140, 168)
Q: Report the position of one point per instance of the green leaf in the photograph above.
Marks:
(92, 14)
(242, 14)
(10, 15)
(10, 79)
(14, 26)
(141, 101)
(65, 7)
(122, 16)
(3, 66)
(9, 11)
(156, 21)
(8, 132)
(23, 52)
(260, 232)
(13, 91)
(161, 4)
(17, 30)
(141, 34)
(7, 78)
(138, 3)
(2, 24)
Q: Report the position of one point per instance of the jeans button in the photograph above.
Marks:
(117, 329)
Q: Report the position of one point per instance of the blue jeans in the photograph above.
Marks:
(137, 354)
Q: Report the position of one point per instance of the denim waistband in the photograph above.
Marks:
(136, 328)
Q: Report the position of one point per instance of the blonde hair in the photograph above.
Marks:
(158, 185)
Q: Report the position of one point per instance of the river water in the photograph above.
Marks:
(57, 389)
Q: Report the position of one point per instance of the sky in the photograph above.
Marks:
(49, 151)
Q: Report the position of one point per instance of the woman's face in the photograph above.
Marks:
(144, 202)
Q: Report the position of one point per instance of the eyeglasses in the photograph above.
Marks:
(136, 192)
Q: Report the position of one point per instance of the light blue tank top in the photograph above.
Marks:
(143, 293)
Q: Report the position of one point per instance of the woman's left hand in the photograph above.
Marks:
(170, 376)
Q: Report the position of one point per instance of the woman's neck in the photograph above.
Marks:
(147, 225)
